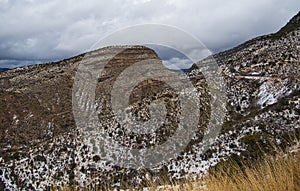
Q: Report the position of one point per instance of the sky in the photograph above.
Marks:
(38, 31)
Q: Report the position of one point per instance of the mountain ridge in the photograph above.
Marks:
(4, 69)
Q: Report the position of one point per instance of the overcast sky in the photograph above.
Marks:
(35, 31)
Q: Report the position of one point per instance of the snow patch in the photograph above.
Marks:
(270, 92)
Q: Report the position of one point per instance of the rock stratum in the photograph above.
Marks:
(41, 146)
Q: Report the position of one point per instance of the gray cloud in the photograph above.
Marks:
(15, 63)
(36, 30)
(172, 59)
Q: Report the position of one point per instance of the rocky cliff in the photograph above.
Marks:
(41, 146)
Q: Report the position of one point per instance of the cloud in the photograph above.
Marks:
(17, 63)
(172, 59)
(52, 30)
(176, 63)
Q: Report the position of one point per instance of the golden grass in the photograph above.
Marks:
(273, 173)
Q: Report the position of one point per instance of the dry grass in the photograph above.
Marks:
(270, 174)
(273, 173)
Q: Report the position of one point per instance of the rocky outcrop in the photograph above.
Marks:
(41, 146)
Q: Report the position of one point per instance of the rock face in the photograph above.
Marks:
(43, 96)
(41, 146)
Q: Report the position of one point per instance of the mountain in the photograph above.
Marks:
(3, 69)
(40, 145)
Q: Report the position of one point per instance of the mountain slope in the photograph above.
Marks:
(40, 145)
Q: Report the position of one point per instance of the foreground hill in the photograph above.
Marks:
(40, 145)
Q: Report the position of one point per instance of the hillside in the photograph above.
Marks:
(40, 145)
